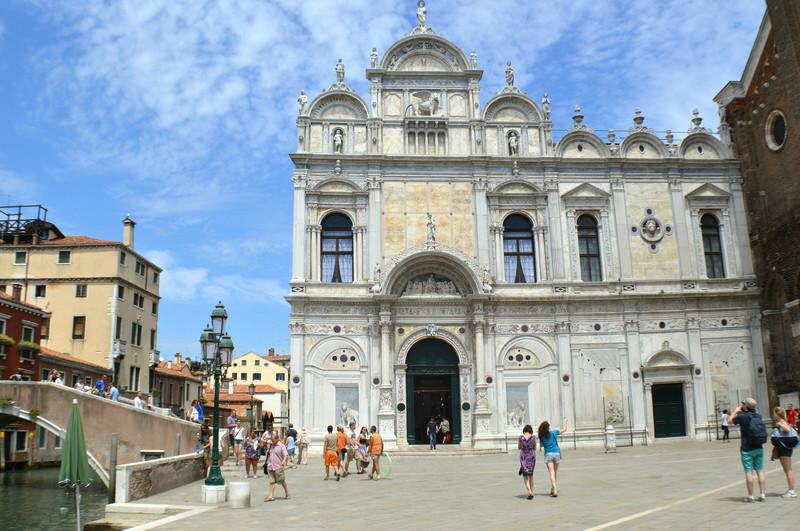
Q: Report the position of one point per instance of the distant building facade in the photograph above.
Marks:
(22, 328)
(260, 370)
(453, 257)
(103, 295)
(761, 114)
(174, 385)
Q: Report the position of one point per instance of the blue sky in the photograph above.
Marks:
(182, 113)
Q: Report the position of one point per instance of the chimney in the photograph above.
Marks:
(127, 231)
(178, 359)
(35, 239)
(16, 292)
(271, 352)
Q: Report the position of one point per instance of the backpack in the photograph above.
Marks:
(756, 431)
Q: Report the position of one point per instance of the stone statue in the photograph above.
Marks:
(376, 275)
(651, 228)
(422, 12)
(486, 277)
(347, 414)
(516, 415)
(302, 100)
(473, 59)
(338, 141)
(339, 72)
(509, 75)
(431, 225)
(428, 104)
(373, 58)
(513, 144)
(546, 106)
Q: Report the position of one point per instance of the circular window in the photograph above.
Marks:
(335, 358)
(724, 322)
(580, 148)
(462, 330)
(775, 130)
(649, 211)
(489, 379)
(376, 381)
(635, 375)
(662, 324)
(641, 148)
(597, 326)
(697, 372)
(401, 331)
(525, 328)
(528, 357)
(565, 378)
(401, 407)
(465, 406)
(352, 358)
(761, 370)
(520, 357)
(337, 329)
(296, 379)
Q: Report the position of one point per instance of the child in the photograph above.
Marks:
(251, 454)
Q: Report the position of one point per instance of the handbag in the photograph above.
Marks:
(780, 440)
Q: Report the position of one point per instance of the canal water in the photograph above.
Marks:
(31, 499)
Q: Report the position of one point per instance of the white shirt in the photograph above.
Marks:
(138, 403)
(59, 381)
(724, 419)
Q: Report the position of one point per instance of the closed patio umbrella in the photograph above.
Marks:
(75, 471)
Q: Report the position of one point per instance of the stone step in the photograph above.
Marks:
(411, 451)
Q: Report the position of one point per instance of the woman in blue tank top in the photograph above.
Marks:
(548, 439)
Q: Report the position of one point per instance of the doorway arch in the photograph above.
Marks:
(432, 388)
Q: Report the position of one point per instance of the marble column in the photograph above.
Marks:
(703, 393)
(375, 222)
(386, 415)
(299, 229)
(729, 249)
(563, 351)
(554, 215)
(739, 229)
(635, 366)
(497, 238)
(479, 185)
(648, 411)
(759, 363)
(623, 231)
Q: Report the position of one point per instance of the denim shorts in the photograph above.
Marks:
(552, 458)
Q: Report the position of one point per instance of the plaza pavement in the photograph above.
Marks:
(671, 485)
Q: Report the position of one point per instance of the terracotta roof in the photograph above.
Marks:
(236, 397)
(6, 297)
(279, 357)
(78, 240)
(259, 389)
(166, 370)
(66, 357)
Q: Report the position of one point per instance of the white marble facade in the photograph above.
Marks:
(611, 299)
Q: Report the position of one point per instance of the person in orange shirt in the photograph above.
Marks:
(375, 451)
(329, 452)
(341, 448)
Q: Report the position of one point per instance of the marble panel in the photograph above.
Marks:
(458, 141)
(491, 141)
(458, 104)
(393, 140)
(416, 231)
(463, 234)
(439, 198)
(393, 104)
(648, 265)
(360, 139)
(315, 144)
(416, 198)
(393, 197)
(393, 234)
(533, 142)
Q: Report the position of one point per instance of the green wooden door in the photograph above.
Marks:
(432, 387)
(669, 412)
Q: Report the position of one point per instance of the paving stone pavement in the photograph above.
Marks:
(677, 485)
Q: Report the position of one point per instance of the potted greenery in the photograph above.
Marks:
(28, 345)
(6, 340)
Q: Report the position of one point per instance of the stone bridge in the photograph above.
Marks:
(136, 429)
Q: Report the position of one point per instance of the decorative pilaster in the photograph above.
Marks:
(554, 215)
(679, 224)
(610, 269)
(739, 228)
(497, 240)
(621, 220)
(297, 383)
(375, 221)
(729, 249)
(635, 370)
(298, 228)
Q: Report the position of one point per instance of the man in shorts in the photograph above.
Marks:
(352, 447)
(276, 462)
(329, 453)
(341, 448)
(752, 453)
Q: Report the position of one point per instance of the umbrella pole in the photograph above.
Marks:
(78, 504)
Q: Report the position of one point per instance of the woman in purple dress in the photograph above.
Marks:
(527, 457)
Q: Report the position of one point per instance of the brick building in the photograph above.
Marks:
(174, 385)
(761, 115)
(22, 327)
(72, 369)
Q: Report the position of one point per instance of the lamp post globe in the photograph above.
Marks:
(219, 316)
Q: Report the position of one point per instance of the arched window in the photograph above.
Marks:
(712, 247)
(518, 249)
(589, 249)
(337, 248)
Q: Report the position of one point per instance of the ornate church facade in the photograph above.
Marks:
(451, 258)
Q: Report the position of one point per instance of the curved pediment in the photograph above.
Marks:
(667, 358)
(336, 185)
(424, 53)
(516, 187)
(514, 107)
(446, 265)
(643, 145)
(339, 104)
(701, 146)
(581, 145)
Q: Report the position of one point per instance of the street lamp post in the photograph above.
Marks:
(217, 349)
(251, 389)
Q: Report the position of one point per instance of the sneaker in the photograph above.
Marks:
(370, 476)
(377, 477)
(762, 497)
(748, 499)
(789, 494)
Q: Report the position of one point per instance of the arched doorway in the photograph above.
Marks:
(432, 388)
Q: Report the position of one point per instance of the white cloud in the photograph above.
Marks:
(195, 99)
(180, 283)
